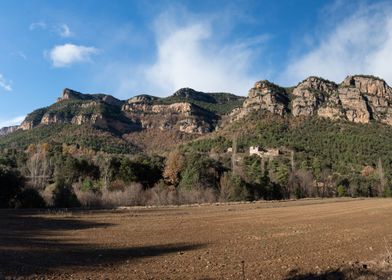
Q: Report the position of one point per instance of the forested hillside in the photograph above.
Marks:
(318, 139)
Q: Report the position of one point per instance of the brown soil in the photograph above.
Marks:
(310, 239)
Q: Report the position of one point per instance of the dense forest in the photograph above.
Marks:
(317, 158)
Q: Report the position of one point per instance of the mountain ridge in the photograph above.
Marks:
(358, 98)
(187, 114)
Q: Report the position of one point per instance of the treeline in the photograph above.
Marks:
(47, 175)
(319, 157)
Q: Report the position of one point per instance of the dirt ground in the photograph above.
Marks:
(309, 239)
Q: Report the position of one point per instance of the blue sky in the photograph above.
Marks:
(125, 48)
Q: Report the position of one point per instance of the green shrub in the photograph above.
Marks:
(342, 191)
(387, 192)
(233, 188)
(87, 185)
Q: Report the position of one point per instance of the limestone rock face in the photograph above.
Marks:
(50, 118)
(138, 113)
(99, 110)
(377, 95)
(7, 130)
(267, 96)
(359, 99)
(184, 116)
(264, 96)
(175, 108)
(69, 94)
(366, 98)
(87, 119)
(26, 125)
(309, 95)
(368, 84)
(354, 105)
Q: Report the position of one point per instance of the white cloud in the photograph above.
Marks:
(65, 31)
(11, 122)
(185, 60)
(37, 25)
(6, 85)
(190, 53)
(360, 44)
(68, 54)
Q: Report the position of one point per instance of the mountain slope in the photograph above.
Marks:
(146, 122)
(340, 147)
(181, 117)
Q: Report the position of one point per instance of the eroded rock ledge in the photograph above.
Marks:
(358, 99)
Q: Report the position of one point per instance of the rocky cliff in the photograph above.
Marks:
(7, 130)
(359, 99)
(186, 111)
(182, 116)
(100, 110)
(264, 96)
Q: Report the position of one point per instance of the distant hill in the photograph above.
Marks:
(183, 116)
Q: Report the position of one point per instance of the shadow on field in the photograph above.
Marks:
(29, 244)
(347, 273)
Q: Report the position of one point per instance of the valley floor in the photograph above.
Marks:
(307, 239)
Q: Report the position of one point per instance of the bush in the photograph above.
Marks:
(64, 196)
(233, 188)
(143, 169)
(274, 191)
(117, 185)
(387, 192)
(30, 198)
(200, 170)
(11, 184)
(196, 195)
(89, 198)
(342, 191)
(132, 195)
(161, 194)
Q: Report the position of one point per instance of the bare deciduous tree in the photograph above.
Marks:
(39, 167)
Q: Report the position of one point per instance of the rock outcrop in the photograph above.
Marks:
(359, 99)
(183, 116)
(69, 94)
(177, 112)
(264, 96)
(310, 95)
(7, 130)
